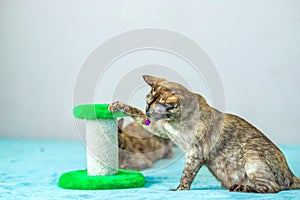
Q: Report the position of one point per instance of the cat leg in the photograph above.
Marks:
(191, 167)
(138, 116)
(128, 110)
(260, 175)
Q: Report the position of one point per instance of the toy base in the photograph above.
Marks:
(81, 181)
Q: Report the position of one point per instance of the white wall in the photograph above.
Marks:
(254, 44)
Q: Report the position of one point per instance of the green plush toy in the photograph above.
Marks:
(102, 153)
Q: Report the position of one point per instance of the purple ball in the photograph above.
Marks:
(147, 122)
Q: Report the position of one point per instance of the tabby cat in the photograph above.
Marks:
(240, 156)
(139, 149)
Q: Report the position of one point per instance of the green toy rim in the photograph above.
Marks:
(81, 181)
(95, 111)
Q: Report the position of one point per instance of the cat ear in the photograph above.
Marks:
(152, 80)
(120, 125)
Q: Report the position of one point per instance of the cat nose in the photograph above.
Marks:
(148, 113)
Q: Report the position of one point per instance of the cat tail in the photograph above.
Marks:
(296, 184)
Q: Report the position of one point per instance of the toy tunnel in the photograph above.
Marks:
(101, 153)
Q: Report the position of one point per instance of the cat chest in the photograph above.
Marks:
(181, 136)
(173, 132)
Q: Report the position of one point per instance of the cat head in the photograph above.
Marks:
(164, 100)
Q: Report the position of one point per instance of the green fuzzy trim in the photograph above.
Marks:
(95, 111)
(81, 181)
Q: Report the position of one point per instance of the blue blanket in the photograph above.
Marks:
(29, 169)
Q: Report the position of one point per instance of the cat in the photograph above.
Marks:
(240, 156)
(139, 149)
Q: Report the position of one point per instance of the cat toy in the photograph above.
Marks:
(102, 153)
(147, 122)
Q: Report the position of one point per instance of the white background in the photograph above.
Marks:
(255, 46)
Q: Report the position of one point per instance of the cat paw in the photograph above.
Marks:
(180, 188)
(261, 188)
(241, 188)
(126, 109)
(118, 106)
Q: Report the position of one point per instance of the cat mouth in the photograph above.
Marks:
(154, 117)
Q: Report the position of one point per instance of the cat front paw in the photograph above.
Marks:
(126, 109)
(180, 188)
(118, 106)
(113, 107)
(241, 188)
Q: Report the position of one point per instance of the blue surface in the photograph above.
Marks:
(29, 169)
